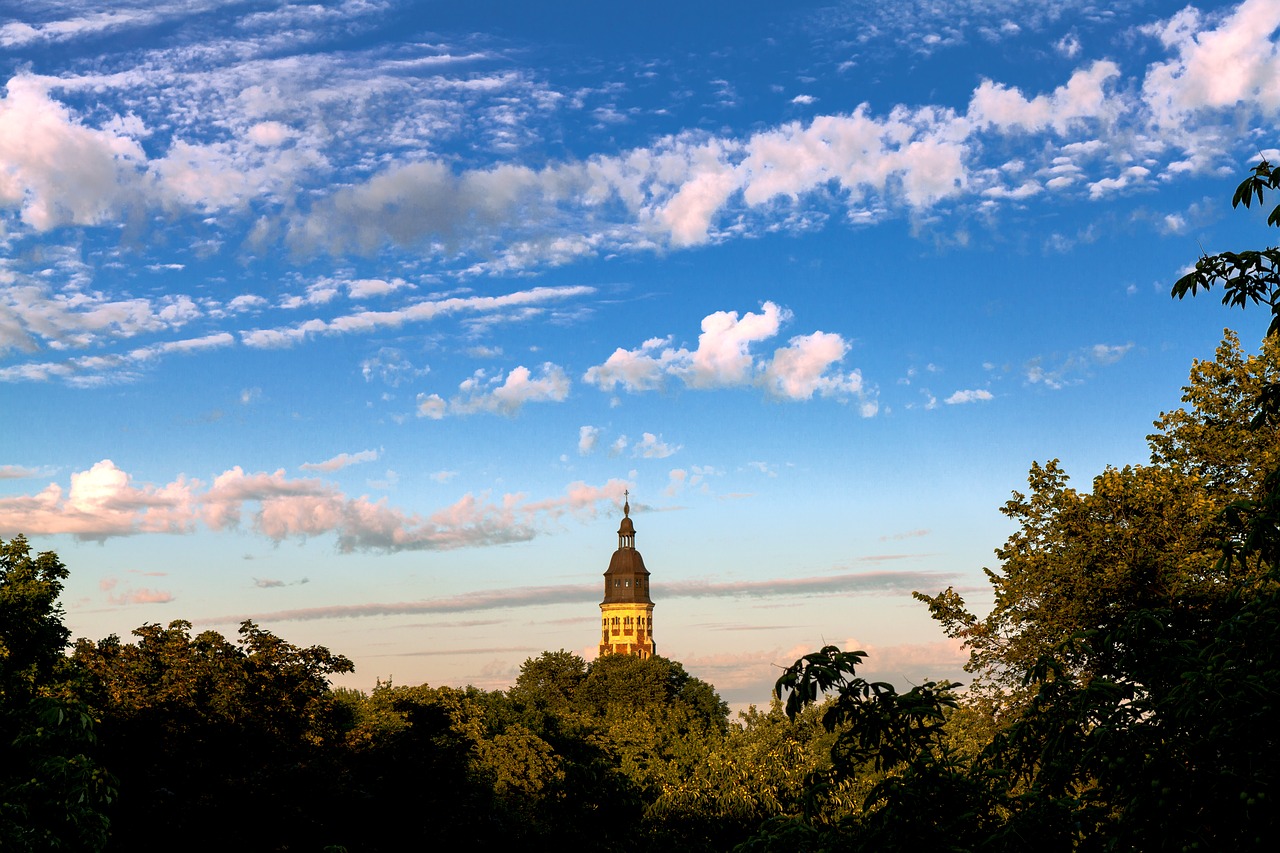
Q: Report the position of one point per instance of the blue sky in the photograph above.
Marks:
(357, 319)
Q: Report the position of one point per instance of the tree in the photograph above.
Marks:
(923, 795)
(198, 727)
(1143, 536)
(1132, 652)
(1251, 277)
(549, 681)
(53, 793)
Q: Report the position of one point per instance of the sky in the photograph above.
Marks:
(358, 319)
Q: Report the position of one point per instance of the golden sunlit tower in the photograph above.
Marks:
(626, 623)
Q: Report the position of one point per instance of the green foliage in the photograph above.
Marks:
(923, 796)
(1142, 537)
(32, 636)
(53, 792)
(1249, 277)
(550, 681)
(192, 723)
(1125, 692)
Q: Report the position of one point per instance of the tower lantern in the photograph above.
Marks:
(626, 614)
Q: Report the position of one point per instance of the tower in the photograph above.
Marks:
(626, 614)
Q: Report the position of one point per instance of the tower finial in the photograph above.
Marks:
(626, 503)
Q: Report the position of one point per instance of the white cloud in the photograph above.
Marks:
(390, 366)
(246, 302)
(507, 395)
(1082, 98)
(652, 446)
(1130, 176)
(1233, 63)
(588, 437)
(724, 358)
(426, 310)
(499, 394)
(432, 406)
(969, 396)
(280, 138)
(1069, 45)
(58, 171)
(801, 369)
(86, 371)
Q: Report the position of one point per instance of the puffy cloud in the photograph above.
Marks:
(432, 406)
(641, 369)
(275, 143)
(1082, 98)
(652, 446)
(499, 394)
(703, 191)
(1130, 176)
(100, 503)
(342, 460)
(800, 369)
(58, 171)
(31, 314)
(588, 437)
(103, 502)
(923, 150)
(977, 395)
(427, 202)
(1233, 63)
(724, 358)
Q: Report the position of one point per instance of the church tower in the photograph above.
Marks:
(626, 623)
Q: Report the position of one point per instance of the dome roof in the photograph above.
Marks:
(627, 580)
(628, 562)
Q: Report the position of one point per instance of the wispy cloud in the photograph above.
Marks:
(1057, 372)
(844, 584)
(417, 312)
(127, 596)
(342, 460)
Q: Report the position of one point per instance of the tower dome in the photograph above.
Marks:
(627, 610)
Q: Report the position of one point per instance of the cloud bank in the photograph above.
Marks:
(104, 502)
